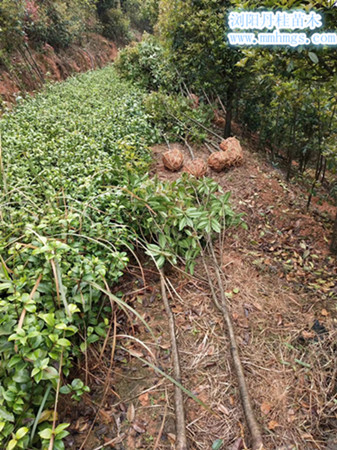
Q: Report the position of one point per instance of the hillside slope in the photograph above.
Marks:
(29, 69)
(280, 283)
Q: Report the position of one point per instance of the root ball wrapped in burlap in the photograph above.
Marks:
(173, 160)
(218, 120)
(218, 161)
(233, 151)
(197, 168)
(195, 100)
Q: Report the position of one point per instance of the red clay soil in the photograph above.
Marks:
(30, 68)
(281, 286)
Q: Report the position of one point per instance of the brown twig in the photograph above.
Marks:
(257, 443)
(156, 444)
(23, 313)
(203, 126)
(52, 262)
(106, 384)
(190, 149)
(221, 104)
(116, 440)
(51, 443)
(181, 442)
(208, 148)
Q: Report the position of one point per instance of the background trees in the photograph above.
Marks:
(284, 95)
(194, 34)
(60, 22)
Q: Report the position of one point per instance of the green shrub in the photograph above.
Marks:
(11, 19)
(116, 25)
(146, 65)
(143, 14)
(174, 115)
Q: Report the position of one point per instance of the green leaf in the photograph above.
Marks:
(61, 427)
(46, 433)
(21, 433)
(4, 414)
(304, 364)
(313, 57)
(64, 342)
(12, 444)
(217, 444)
(161, 261)
(77, 384)
(48, 318)
(65, 389)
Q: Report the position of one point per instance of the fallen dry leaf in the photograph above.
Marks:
(235, 316)
(144, 399)
(291, 416)
(243, 323)
(266, 408)
(305, 405)
(172, 437)
(130, 415)
(257, 306)
(308, 334)
(165, 346)
(139, 427)
(324, 312)
(136, 353)
(238, 445)
(307, 436)
(224, 410)
(272, 425)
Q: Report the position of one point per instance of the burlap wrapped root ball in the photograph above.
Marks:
(233, 151)
(218, 120)
(195, 101)
(218, 161)
(197, 168)
(173, 160)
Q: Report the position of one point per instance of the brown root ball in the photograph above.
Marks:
(217, 161)
(197, 168)
(233, 151)
(224, 145)
(173, 159)
(195, 100)
(218, 120)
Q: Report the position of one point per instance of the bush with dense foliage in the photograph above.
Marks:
(146, 65)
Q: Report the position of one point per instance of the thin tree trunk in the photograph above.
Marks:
(229, 112)
(181, 442)
(333, 246)
(324, 169)
(317, 175)
(292, 147)
(275, 141)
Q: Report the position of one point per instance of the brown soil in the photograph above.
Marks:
(281, 285)
(30, 68)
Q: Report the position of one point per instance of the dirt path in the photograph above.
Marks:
(282, 289)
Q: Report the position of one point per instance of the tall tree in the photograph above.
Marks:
(195, 33)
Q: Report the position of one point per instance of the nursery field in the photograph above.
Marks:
(63, 154)
(168, 235)
(76, 203)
